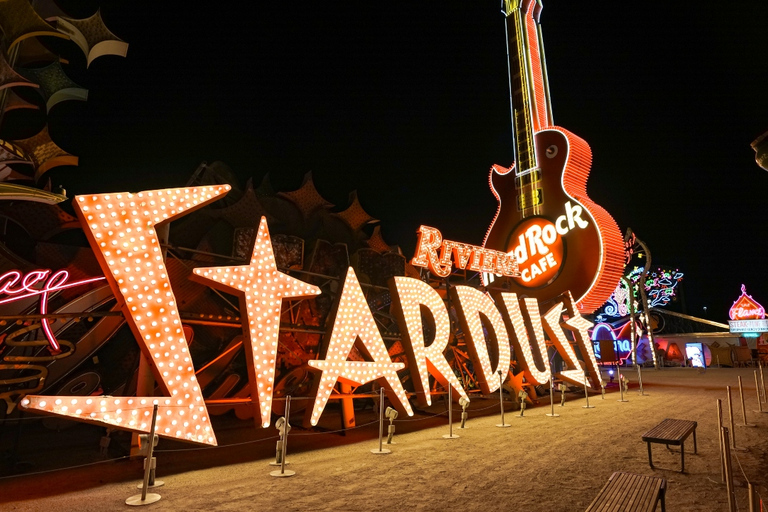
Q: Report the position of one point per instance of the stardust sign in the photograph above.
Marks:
(121, 229)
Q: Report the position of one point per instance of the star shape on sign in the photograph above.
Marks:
(261, 288)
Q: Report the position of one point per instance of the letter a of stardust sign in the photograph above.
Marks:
(121, 229)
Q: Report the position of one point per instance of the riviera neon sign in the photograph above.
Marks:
(18, 286)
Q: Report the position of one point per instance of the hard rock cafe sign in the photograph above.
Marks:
(121, 229)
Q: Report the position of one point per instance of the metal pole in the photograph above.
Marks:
(501, 403)
(633, 334)
(621, 384)
(728, 472)
(730, 417)
(743, 408)
(640, 379)
(757, 389)
(450, 415)
(144, 498)
(586, 394)
(720, 438)
(762, 380)
(285, 435)
(552, 413)
(754, 506)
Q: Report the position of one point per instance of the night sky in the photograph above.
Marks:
(407, 102)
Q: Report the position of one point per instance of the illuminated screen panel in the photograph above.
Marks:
(354, 321)
(261, 288)
(121, 230)
(408, 296)
(471, 304)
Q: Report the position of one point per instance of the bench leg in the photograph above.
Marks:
(694, 440)
(650, 457)
(682, 456)
(663, 503)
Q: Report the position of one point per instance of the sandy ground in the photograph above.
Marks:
(539, 464)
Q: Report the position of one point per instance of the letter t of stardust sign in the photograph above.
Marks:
(121, 229)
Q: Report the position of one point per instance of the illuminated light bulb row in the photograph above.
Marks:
(353, 321)
(412, 294)
(471, 304)
(121, 229)
(261, 288)
(522, 341)
(580, 327)
(557, 336)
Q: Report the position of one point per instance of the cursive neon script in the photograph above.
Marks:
(17, 286)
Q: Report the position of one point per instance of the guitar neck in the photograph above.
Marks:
(529, 98)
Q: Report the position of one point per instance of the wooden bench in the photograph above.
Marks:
(628, 492)
(671, 432)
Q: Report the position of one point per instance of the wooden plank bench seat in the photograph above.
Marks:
(671, 432)
(628, 492)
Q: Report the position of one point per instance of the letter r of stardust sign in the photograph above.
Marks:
(121, 229)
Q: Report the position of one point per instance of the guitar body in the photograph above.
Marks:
(565, 243)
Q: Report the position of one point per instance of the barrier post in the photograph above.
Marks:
(730, 418)
(285, 472)
(759, 400)
(762, 381)
(381, 450)
(640, 380)
(621, 384)
(743, 408)
(501, 403)
(728, 472)
(586, 394)
(552, 413)
(146, 498)
(754, 505)
(450, 434)
(720, 438)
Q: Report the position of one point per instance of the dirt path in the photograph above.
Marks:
(539, 464)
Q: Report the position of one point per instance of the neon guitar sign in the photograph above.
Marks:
(562, 240)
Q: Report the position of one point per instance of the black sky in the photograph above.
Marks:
(407, 103)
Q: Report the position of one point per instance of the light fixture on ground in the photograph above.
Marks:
(464, 403)
(391, 415)
(281, 425)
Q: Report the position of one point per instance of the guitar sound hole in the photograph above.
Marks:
(551, 151)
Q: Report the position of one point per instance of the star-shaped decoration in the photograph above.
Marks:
(354, 321)
(261, 288)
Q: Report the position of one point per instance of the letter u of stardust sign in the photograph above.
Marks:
(121, 229)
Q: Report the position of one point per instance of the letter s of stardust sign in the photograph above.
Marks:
(121, 229)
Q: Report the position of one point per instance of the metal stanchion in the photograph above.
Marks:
(743, 408)
(754, 503)
(501, 404)
(621, 384)
(762, 381)
(640, 380)
(720, 438)
(728, 471)
(381, 450)
(586, 394)
(552, 413)
(759, 400)
(146, 498)
(450, 434)
(285, 472)
(730, 419)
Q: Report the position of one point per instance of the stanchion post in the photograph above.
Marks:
(730, 418)
(552, 413)
(720, 438)
(743, 407)
(757, 390)
(728, 472)
(621, 384)
(754, 505)
(146, 498)
(284, 448)
(586, 394)
(501, 403)
(381, 450)
(762, 381)
(450, 415)
(640, 379)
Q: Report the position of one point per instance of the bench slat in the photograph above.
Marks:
(629, 492)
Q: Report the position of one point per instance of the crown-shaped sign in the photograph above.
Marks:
(746, 308)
